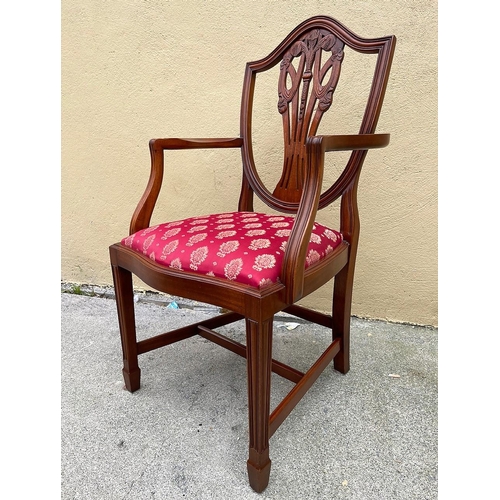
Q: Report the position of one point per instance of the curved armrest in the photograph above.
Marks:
(175, 143)
(142, 214)
(354, 141)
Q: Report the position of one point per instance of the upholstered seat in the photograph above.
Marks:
(245, 247)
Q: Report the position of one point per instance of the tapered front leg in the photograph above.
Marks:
(126, 319)
(259, 356)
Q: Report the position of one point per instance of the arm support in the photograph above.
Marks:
(292, 271)
(145, 207)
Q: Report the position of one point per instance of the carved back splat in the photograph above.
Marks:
(305, 93)
(310, 58)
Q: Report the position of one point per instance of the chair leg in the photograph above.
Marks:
(341, 313)
(259, 356)
(126, 319)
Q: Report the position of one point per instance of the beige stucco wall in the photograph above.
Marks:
(136, 69)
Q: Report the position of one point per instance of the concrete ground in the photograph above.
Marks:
(367, 435)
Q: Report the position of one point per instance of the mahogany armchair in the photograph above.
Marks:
(256, 264)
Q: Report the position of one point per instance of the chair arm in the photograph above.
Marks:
(354, 141)
(175, 143)
(144, 210)
(292, 271)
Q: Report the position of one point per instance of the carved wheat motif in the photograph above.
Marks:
(309, 50)
(303, 97)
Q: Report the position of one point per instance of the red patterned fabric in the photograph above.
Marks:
(246, 247)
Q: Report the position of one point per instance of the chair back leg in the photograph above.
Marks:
(341, 315)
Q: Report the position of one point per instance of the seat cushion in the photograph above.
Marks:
(245, 247)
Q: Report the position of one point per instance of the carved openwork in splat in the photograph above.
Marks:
(305, 88)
